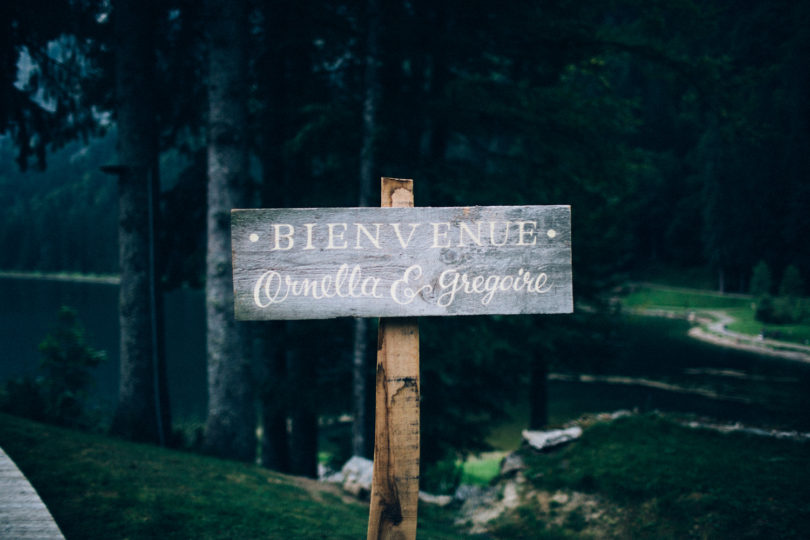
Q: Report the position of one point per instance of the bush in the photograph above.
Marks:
(59, 394)
(779, 310)
(792, 284)
(442, 476)
(761, 281)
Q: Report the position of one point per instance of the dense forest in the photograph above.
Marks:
(677, 131)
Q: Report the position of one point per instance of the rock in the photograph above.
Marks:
(357, 476)
(483, 504)
(441, 500)
(547, 440)
(330, 476)
(512, 464)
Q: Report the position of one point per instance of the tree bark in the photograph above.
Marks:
(538, 392)
(276, 82)
(368, 166)
(142, 412)
(231, 422)
(303, 414)
(275, 452)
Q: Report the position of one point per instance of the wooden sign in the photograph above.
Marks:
(321, 263)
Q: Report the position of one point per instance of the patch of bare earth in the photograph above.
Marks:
(511, 498)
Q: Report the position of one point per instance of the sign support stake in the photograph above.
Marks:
(395, 485)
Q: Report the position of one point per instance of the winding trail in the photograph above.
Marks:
(712, 328)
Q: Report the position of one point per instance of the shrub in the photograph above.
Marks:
(761, 281)
(792, 284)
(59, 394)
(779, 310)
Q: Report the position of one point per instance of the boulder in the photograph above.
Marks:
(357, 475)
(551, 439)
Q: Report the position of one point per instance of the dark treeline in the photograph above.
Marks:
(677, 130)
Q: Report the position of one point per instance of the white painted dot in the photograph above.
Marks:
(254, 237)
(551, 233)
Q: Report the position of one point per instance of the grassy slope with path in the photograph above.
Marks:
(707, 307)
(644, 477)
(99, 487)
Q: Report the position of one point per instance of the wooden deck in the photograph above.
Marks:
(23, 515)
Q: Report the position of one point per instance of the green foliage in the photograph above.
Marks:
(441, 476)
(792, 284)
(788, 307)
(63, 218)
(481, 470)
(664, 297)
(469, 373)
(781, 310)
(59, 395)
(682, 482)
(761, 281)
(67, 361)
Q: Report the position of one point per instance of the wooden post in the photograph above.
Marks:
(395, 487)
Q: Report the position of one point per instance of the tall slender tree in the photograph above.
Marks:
(372, 94)
(143, 411)
(231, 422)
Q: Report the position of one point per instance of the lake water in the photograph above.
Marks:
(654, 365)
(29, 311)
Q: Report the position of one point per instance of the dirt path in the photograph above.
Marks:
(712, 328)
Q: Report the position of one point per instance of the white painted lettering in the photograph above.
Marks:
(336, 235)
(443, 235)
(278, 236)
(373, 239)
(474, 237)
(523, 232)
(404, 243)
(309, 227)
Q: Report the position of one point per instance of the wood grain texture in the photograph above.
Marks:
(395, 262)
(395, 484)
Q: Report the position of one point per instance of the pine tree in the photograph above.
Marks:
(231, 424)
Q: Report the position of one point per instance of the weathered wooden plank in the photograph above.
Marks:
(22, 512)
(395, 485)
(396, 262)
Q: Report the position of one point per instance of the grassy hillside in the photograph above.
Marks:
(645, 476)
(652, 297)
(642, 476)
(97, 487)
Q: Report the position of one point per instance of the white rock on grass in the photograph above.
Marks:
(546, 440)
(357, 476)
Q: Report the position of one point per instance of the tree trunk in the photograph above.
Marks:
(538, 392)
(303, 414)
(142, 412)
(275, 397)
(231, 422)
(360, 389)
(274, 74)
(368, 169)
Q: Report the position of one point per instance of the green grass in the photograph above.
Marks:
(98, 487)
(666, 480)
(745, 323)
(480, 470)
(651, 297)
(677, 482)
(741, 307)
